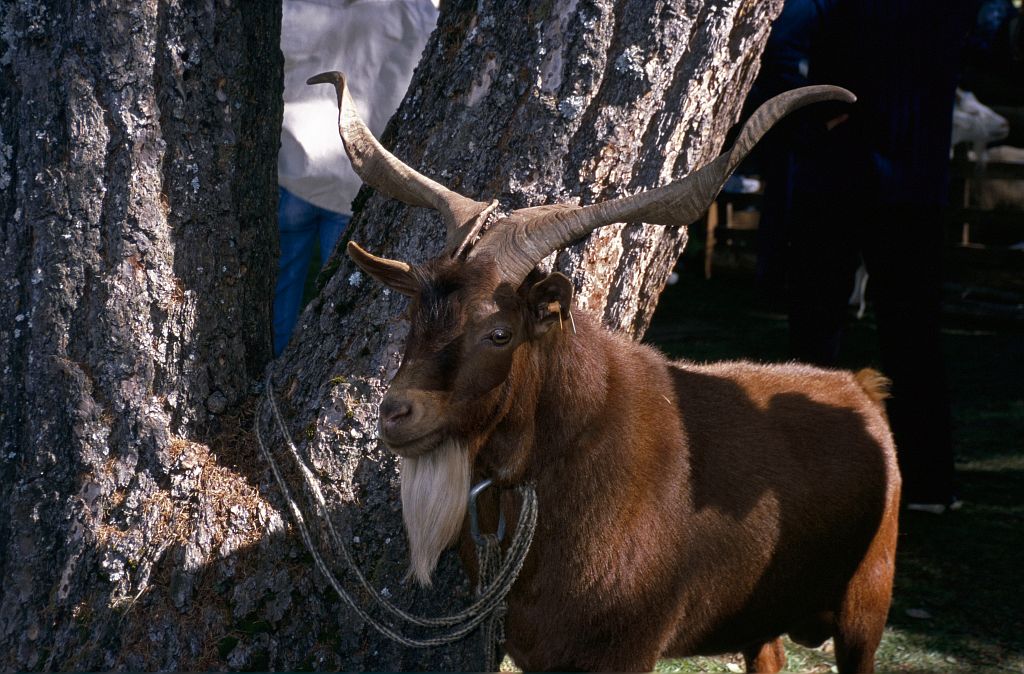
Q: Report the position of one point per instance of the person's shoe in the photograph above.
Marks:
(936, 508)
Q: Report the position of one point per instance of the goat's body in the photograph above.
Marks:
(712, 509)
(1001, 193)
(683, 509)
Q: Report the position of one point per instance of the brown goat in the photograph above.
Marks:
(684, 509)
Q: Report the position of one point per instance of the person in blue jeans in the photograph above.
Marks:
(301, 225)
(377, 44)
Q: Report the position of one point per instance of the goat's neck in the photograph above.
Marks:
(558, 397)
(574, 384)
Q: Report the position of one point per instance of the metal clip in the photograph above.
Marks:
(474, 520)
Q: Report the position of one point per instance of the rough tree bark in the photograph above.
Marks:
(136, 191)
(138, 147)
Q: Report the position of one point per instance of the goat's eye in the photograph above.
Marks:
(500, 335)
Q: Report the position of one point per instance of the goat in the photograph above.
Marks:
(1000, 193)
(684, 509)
(976, 123)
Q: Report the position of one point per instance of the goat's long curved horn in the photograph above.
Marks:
(528, 235)
(384, 172)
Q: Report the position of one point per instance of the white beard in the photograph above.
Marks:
(435, 487)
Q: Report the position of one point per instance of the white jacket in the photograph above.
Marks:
(377, 44)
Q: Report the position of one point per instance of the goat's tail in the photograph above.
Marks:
(874, 383)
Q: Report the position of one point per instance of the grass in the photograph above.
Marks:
(960, 573)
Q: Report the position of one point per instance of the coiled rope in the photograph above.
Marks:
(495, 576)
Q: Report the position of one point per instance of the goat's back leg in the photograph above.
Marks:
(861, 618)
(857, 637)
(767, 657)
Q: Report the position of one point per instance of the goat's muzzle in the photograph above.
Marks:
(408, 423)
(394, 410)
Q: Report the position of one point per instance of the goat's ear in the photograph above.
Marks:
(394, 274)
(550, 301)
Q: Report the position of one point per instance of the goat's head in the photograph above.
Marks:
(479, 312)
(976, 123)
(469, 332)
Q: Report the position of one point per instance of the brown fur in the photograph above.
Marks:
(874, 383)
(684, 509)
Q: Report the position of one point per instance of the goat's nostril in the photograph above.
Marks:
(393, 410)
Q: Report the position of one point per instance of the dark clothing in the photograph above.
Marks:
(901, 59)
(901, 247)
(873, 188)
(994, 57)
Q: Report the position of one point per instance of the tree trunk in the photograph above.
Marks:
(138, 146)
(136, 187)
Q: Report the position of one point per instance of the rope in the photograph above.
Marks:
(495, 578)
(488, 557)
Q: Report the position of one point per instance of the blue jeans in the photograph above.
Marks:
(300, 224)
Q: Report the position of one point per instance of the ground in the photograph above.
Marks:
(958, 595)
